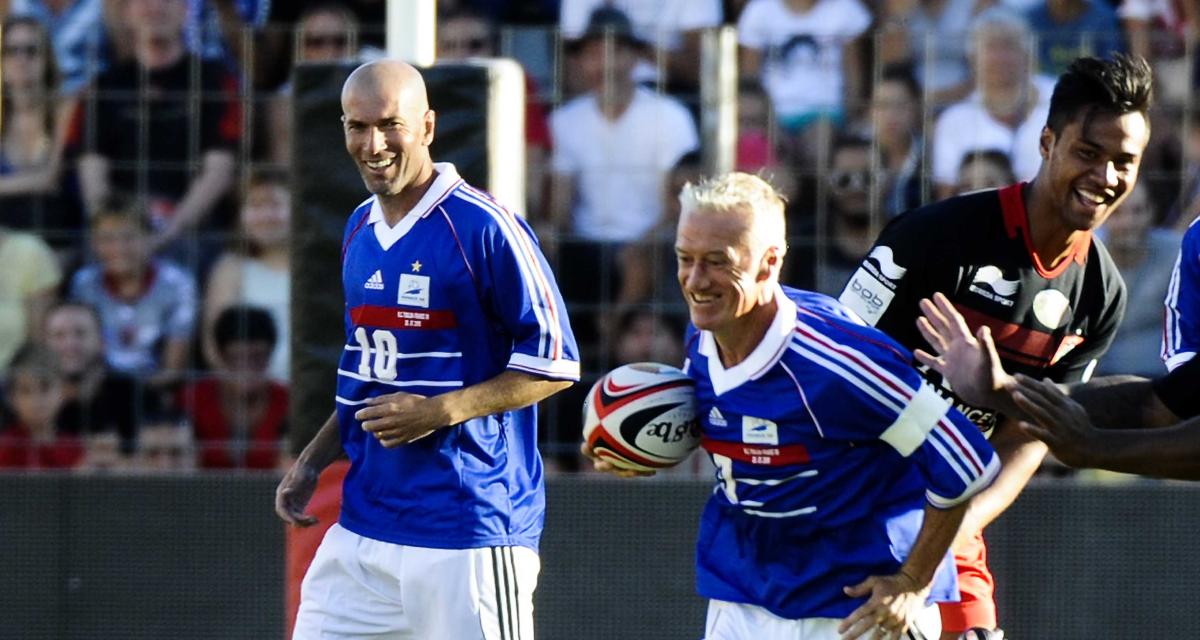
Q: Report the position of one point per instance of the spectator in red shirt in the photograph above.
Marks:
(239, 414)
(30, 438)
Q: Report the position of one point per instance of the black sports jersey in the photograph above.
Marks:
(976, 249)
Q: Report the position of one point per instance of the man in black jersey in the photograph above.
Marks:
(1021, 261)
(1120, 423)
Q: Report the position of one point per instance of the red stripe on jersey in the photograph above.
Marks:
(770, 455)
(525, 246)
(1021, 344)
(965, 449)
(350, 238)
(394, 318)
(866, 368)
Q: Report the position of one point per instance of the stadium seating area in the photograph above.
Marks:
(145, 186)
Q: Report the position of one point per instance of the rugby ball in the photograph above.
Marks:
(642, 417)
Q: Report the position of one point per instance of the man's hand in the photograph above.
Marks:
(969, 363)
(1057, 420)
(608, 467)
(894, 603)
(293, 493)
(399, 418)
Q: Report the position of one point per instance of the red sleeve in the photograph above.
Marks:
(537, 128)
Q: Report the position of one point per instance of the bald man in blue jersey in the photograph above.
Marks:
(455, 329)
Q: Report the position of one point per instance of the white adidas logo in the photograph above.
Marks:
(375, 281)
(716, 419)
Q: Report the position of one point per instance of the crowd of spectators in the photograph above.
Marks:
(145, 193)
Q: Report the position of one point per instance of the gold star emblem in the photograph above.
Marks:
(416, 266)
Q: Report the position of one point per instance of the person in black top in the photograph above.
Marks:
(1120, 423)
(1021, 261)
(164, 126)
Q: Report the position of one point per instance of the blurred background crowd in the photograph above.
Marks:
(145, 185)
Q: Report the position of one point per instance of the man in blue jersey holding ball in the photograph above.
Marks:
(842, 476)
(455, 329)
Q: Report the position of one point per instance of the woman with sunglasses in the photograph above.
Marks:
(33, 119)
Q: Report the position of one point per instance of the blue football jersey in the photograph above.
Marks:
(1181, 329)
(828, 444)
(453, 295)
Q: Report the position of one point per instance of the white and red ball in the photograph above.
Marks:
(642, 416)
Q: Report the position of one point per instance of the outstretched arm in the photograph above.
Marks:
(1067, 427)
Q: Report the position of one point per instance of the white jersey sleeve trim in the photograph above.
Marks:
(567, 369)
(915, 422)
(989, 473)
(1178, 359)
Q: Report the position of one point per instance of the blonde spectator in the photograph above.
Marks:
(1008, 109)
(28, 286)
(257, 270)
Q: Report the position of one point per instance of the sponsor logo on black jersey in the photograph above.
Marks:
(872, 287)
(989, 282)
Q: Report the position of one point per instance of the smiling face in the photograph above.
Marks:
(1092, 166)
(388, 127)
(73, 334)
(720, 271)
(267, 214)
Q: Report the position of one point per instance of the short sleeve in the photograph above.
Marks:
(858, 18)
(894, 276)
(696, 14)
(562, 159)
(947, 150)
(752, 28)
(181, 317)
(1177, 389)
(39, 267)
(523, 290)
(222, 113)
(1181, 329)
(679, 134)
(869, 391)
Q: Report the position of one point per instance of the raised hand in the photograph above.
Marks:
(969, 363)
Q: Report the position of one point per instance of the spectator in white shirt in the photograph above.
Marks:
(1008, 108)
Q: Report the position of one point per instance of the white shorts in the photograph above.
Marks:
(735, 621)
(357, 587)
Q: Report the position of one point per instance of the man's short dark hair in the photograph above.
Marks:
(902, 74)
(244, 323)
(1119, 85)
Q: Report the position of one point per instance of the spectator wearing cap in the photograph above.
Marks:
(673, 27)
(613, 147)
